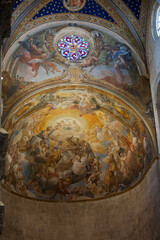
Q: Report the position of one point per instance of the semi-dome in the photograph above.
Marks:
(77, 127)
(77, 77)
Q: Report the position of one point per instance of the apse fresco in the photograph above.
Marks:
(75, 143)
(45, 55)
(68, 139)
(37, 58)
(74, 54)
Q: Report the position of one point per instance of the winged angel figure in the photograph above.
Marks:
(36, 54)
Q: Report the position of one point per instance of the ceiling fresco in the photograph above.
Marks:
(139, 25)
(134, 6)
(77, 143)
(38, 61)
(84, 7)
(18, 8)
(128, 20)
(80, 123)
(16, 4)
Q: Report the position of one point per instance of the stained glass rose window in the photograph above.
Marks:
(73, 47)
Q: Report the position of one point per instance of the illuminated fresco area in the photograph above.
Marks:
(55, 53)
(75, 143)
(73, 54)
(38, 56)
(80, 124)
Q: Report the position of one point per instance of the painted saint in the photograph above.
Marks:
(74, 5)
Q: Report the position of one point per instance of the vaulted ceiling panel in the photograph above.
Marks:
(16, 4)
(19, 7)
(134, 6)
(91, 8)
(116, 12)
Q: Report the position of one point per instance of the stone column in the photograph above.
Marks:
(1, 216)
(3, 151)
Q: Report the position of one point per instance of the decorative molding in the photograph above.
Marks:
(131, 17)
(21, 7)
(123, 32)
(23, 14)
(128, 26)
(124, 23)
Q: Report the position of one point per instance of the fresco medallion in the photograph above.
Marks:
(74, 5)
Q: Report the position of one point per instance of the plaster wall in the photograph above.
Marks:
(153, 61)
(131, 215)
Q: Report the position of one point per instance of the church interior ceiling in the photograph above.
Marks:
(80, 124)
(75, 143)
(126, 18)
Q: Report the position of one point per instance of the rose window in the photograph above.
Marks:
(73, 47)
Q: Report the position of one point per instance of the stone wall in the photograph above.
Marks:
(1, 216)
(5, 17)
(133, 215)
(3, 151)
(153, 60)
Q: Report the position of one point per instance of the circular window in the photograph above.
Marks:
(74, 44)
(155, 21)
(73, 47)
(158, 21)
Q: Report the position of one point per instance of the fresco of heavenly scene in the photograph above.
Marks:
(37, 59)
(72, 144)
(34, 61)
(96, 56)
(112, 61)
(75, 55)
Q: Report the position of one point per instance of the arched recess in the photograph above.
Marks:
(73, 91)
(140, 63)
(43, 27)
(93, 125)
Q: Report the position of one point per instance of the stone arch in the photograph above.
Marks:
(158, 92)
(156, 100)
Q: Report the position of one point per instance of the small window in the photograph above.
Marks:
(158, 21)
(155, 21)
